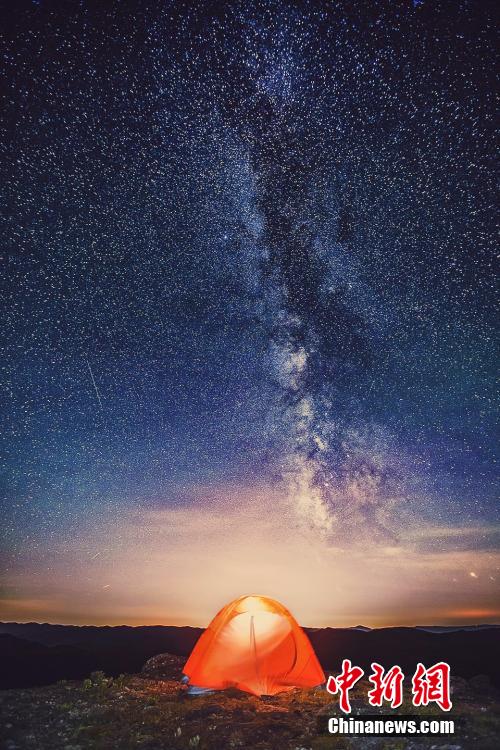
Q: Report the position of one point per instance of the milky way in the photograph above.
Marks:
(248, 254)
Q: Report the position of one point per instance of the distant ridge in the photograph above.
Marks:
(360, 627)
(454, 628)
(431, 628)
(38, 654)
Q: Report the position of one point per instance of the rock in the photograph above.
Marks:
(164, 667)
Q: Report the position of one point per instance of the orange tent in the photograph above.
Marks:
(256, 645)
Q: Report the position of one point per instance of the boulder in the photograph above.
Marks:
(164, 667)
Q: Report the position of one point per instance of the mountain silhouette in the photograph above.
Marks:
(34, 654)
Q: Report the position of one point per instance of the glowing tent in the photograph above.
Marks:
(253, 644)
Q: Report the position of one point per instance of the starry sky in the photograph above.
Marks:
(248, 338)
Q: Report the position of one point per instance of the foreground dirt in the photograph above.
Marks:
(151, 712)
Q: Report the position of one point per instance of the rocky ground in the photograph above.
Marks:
(151, 711)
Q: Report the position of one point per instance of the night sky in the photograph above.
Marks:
(248, 339)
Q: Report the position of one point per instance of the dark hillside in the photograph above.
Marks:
(33, 654)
